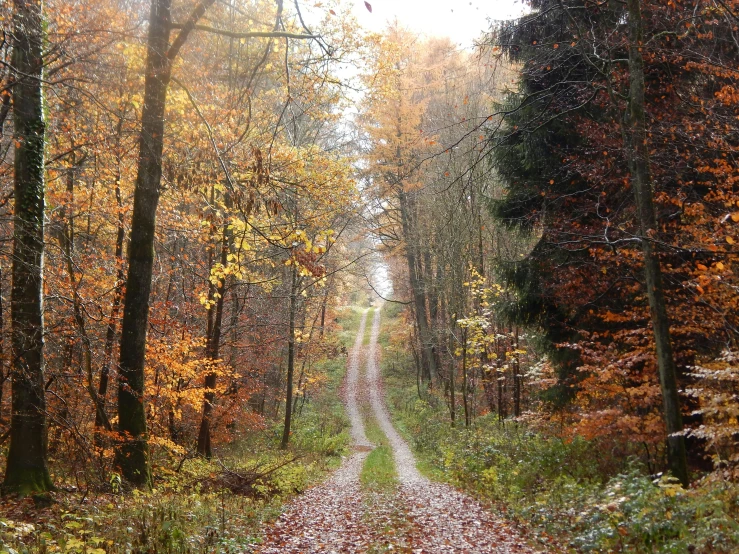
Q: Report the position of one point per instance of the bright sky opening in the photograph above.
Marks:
(462, 21)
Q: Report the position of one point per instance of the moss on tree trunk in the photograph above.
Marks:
(27, 470)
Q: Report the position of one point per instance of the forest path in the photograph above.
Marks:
(418, 517)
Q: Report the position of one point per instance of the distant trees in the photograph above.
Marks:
(393, 124)
(428, 117)
(200, 281)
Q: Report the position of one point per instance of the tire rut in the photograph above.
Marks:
(420, 517)
(444, 519)
(331, 517)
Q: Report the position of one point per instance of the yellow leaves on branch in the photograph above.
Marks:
(175, 371)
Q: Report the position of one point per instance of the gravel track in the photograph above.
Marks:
(331, 517)
(328, 518)
(352, 388)
(422, 518)
(445, 520)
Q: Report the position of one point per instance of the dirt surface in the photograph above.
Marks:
(418, 517)
(352, 390)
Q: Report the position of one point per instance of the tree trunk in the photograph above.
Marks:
(638, 154)
(27, 470)
(452, 392)
(428, 362)
(3, 374)
(323, 311)
(465, 397)
(213, 352)
(132, 456)
(290, 359)
(100, 414)
(500, 379)
(516, 378)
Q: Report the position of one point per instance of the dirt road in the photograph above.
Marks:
(418, 517)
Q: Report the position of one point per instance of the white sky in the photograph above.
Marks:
(460, 20)
(463, 21)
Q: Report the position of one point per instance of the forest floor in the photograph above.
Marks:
(365, 508)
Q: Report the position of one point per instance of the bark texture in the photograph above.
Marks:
(213, 348)
(132, 455)
(638, 152)
(290, 358)
(27, 470)
(101, 418)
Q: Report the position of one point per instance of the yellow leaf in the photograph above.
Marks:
(735, 217)
(730, 240)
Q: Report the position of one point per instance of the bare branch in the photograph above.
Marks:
(252, 34)
(187, 27)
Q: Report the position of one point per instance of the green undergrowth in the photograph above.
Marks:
(572, 494)
(348, 321)
(208, 506)
(368, 327)
(197, 506)
(378, 472)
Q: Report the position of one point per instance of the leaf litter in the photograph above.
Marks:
(418, 517)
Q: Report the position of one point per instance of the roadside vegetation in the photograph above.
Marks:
(196, 505)
(573, 494)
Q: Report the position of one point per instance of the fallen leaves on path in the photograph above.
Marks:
(421, 517)
(448, 521)
(328, 518)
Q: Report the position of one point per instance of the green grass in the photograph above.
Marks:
(368, 327)
(378, 472)
(348, 319)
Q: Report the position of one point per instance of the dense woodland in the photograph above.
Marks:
(194, 193)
